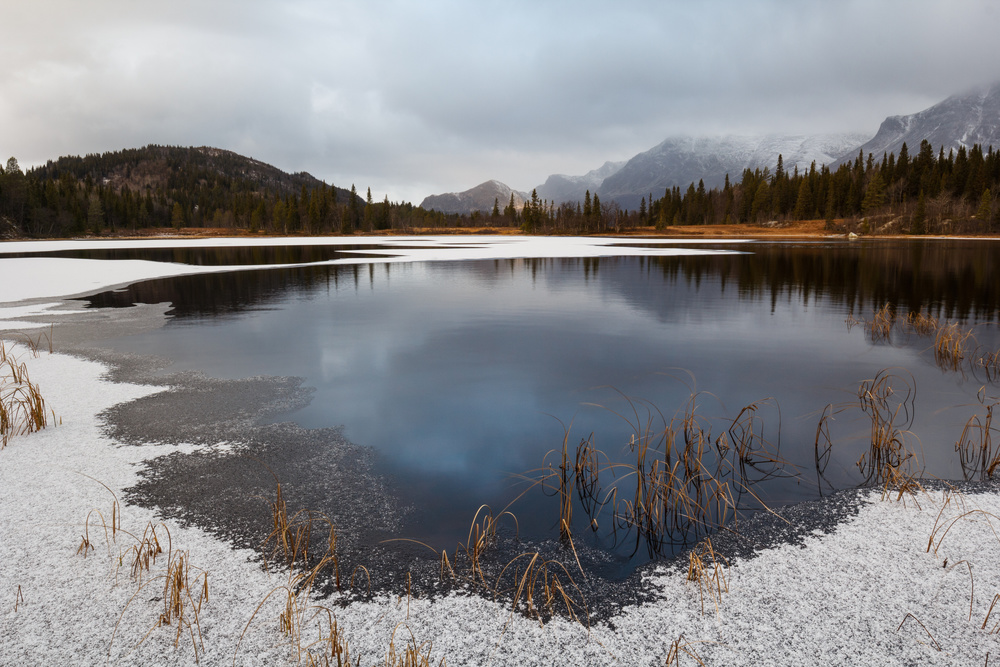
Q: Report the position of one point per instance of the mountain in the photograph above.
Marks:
(171, 167)
(561, 188)
(480, 198)
(680, 161)
(961, 120)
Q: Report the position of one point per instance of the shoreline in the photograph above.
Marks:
(841, 589)
(840, 586)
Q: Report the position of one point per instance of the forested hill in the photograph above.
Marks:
(175, 167)
(161, 186)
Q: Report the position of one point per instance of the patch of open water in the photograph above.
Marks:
(464, 376)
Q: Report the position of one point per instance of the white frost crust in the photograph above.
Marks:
(836, 599)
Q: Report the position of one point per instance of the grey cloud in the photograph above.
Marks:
(414, 98)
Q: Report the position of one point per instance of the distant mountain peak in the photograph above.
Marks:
(560, 188)
(965, 119)
(479, 198)
(682, 160)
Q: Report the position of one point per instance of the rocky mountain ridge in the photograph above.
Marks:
(480, 198)
(959, 121)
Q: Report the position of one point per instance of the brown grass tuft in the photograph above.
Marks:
(923, 325)
(682, 646)
(887, 399)
(707, 569)
(410, 654)
(975, 447)
(22, 408)
(951, 345)
(879, 327)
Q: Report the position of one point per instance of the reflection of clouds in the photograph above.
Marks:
(333, 363)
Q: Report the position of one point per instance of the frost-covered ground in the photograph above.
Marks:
(867, 592)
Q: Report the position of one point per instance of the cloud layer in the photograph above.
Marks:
(419, 98)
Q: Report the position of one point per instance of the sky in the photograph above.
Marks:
(413, 98)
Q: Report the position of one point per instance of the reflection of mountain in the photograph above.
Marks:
(951, 279)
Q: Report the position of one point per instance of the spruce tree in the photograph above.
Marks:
(984, 214)
(919, 223)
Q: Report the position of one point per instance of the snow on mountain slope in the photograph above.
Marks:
(961, 120)
(680, 161)
(561, 188)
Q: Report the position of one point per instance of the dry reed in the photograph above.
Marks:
(333, 648)
(887, 399)
(996, 628)
(183, 592)
(990, 363)
(291, 544)
(923, 325)
(540, 588)
(909, 616)
(879, 327)
(410, 654)
(683, 481)
(681, 646)
(976, 451)
(22, 407)
(707, 569)
(951, 345)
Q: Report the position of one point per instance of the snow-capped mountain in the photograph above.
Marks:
(961, 120)
(561, 188)
(480, 198)
(681, 161)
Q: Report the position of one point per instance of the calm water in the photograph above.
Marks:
(462, 375)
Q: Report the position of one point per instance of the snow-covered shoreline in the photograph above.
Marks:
(866, 592)
(835, 598)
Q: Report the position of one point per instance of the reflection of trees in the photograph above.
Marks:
(949, 280)
(944, 279)
(228, 292)
(223, 256)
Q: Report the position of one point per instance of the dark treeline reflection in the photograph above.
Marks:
(949, 279)
(225, 256)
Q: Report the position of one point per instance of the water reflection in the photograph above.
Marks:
(459, 373)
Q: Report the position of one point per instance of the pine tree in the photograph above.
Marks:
(984, 214)
(874, 195)
(919, 223)
(177, 216)
(95, 215)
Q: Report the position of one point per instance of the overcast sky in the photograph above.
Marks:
(417, 98)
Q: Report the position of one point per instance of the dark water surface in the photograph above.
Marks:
(462, 375)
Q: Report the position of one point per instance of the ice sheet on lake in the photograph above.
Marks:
(47, 277)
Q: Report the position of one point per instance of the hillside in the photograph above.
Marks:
(560, 188)
(961, 121)
(161, 186)
(175, 167)
(680, 161)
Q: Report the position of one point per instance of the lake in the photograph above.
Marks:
(465, 376)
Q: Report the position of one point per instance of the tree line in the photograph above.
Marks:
(926, 193)
(173, 187)
(184, 187)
